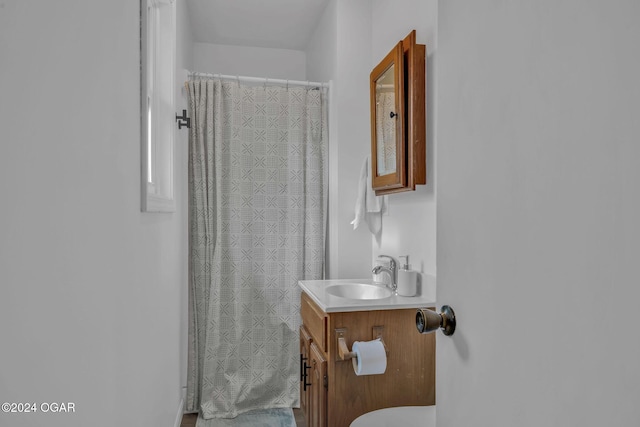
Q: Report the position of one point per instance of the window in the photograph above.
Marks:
(157, 68)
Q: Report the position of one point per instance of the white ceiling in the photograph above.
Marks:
(284, 24)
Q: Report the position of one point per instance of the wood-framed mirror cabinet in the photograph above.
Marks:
(398, 124)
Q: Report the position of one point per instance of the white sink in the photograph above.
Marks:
(337, 296)
(359, 291)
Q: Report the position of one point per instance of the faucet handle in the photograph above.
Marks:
(392, 262)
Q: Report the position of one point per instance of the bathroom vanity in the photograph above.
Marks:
(331, 393)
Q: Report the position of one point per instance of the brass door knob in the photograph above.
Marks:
(428, 320)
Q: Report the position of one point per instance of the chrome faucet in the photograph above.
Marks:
(391, 271)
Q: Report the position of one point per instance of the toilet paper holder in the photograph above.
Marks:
(343, 350)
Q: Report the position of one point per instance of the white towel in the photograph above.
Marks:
(369, 207)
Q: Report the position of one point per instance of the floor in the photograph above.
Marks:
(189, 420)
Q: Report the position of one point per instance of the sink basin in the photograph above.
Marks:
(349, 295)
(359, 291)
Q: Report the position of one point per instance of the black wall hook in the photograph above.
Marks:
(183, 120)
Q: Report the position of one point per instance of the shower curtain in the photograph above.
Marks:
(386, 133)
(257, 202)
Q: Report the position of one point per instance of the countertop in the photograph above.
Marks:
(316, 289)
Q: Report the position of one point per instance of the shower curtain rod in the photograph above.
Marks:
(264, 80)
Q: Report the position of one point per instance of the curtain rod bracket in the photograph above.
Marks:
(183, 120)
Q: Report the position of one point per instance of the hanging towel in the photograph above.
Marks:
(369, 207)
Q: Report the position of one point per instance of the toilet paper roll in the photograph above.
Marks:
(371, 357)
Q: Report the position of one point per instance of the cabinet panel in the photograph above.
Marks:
(336, 396)
(315, 320)
(388, 165)
(409, 379)
(318, 398)
(305, 366)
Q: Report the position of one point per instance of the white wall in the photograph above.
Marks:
(184, 63)
(90, 287)
(321, 52)
(538, 207)
(353, 135)
(410, 226)
(322, 65)
(250, 61)
(339, 51)
(355, 36)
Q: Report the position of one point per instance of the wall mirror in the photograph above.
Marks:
(398, 128)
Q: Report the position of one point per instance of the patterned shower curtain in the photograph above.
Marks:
(257, 200)
(386, 133)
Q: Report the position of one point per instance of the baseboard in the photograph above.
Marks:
(183, 396)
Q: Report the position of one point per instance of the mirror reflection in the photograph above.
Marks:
(386, 122)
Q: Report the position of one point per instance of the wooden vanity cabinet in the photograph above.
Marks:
(336, 395)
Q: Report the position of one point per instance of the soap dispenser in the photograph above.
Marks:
(407, 279)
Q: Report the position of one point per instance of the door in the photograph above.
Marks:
(305, 366)
(538, 213)
(318, 397)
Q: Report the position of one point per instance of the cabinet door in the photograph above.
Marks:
(305, 374)
(398, 125)
(318, 398)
